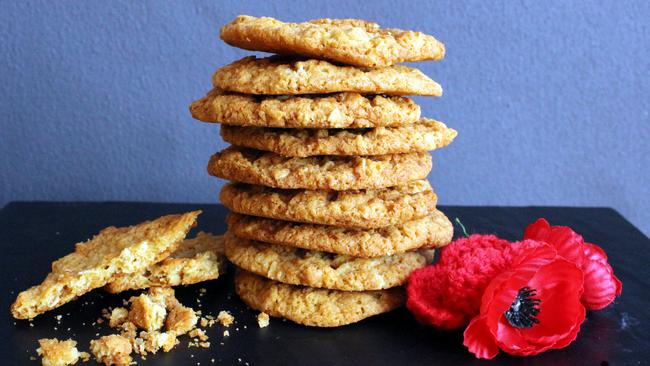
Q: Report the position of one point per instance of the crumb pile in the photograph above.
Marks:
(153, 255)
(147, 324)
(330, 206)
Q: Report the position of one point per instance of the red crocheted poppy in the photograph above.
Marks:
(447, 295)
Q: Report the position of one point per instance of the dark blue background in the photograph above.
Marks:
(550, 98)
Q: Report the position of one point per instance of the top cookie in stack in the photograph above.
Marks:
(330, 207)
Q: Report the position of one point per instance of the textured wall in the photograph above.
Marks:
(551, 98)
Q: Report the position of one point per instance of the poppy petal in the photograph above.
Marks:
(503, 289)
(558, 284)
(566, 241)
(601, 285)
(479, 340)
(559, 287)
(537, 229)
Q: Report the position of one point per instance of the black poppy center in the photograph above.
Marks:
(524, 309)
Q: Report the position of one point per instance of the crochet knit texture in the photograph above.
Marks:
(448, 294)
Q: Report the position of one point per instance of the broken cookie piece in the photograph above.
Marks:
(154, 341)
(146, 313)
(195, 260)
(112, 350)
(94, 263)
(59, 353)
(117, 317)
(181, 319)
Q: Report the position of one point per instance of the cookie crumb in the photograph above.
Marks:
(154, 341)
(117, 317)
(225, 318)
(226, 333)
(112, 350)
(147, 313)
(129, 330)
(263, 319)
(58, 353)
(198, 333)
(208, 320)
(181, 319)
(84, 356)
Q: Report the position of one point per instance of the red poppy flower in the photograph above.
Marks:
(530, 308)
(601, 286)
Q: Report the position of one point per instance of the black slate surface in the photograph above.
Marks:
(32, 235)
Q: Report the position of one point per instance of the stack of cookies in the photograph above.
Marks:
(330, 207)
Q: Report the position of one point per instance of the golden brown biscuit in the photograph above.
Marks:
(349, 41)
(319, 172)
(340, 110)
(195, 260)
(296, 266)
(282, 75)
(425, 135)
(93, 263)
(314, 307)
(367, 208)
(431, 231)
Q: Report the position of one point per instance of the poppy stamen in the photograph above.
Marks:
(524, 309)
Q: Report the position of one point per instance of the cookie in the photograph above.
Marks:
(296, 266)
(195, 260)
(431, 231)
(314, 307)
(369, 208)
(285, 75)
(349, 41)
(425, 135)
(93, 263)
(340, 110)
(318, 172)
